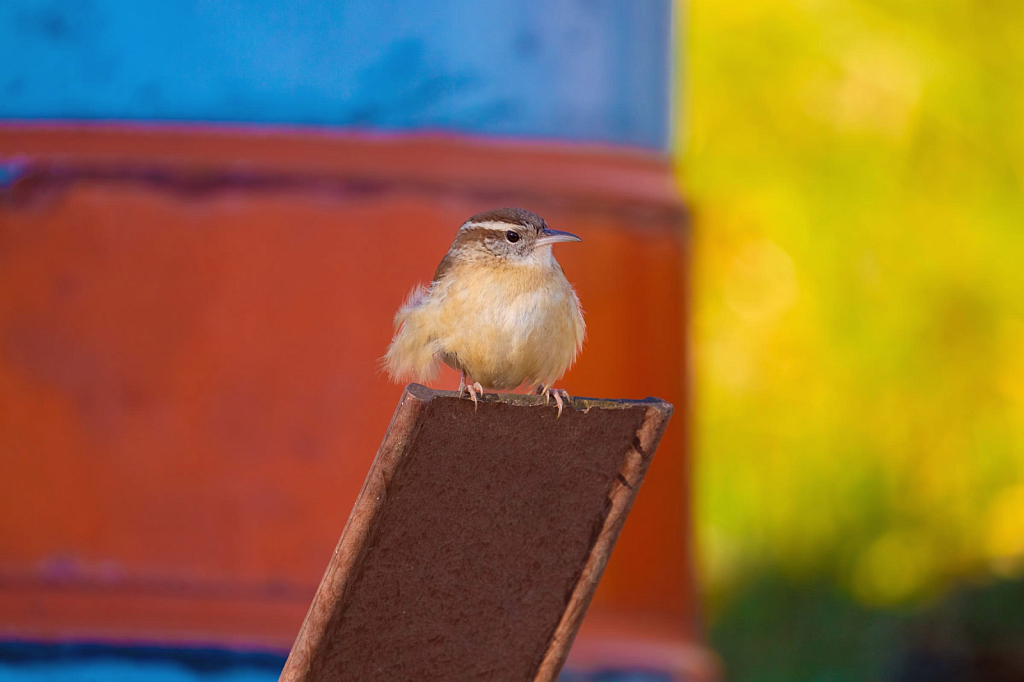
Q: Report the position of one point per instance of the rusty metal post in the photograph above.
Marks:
(478, 539)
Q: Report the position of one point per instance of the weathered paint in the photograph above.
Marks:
(189, 334)
(594, 71)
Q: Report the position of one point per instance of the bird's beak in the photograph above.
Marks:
(548, 236)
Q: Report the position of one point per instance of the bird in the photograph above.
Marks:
(499, 310)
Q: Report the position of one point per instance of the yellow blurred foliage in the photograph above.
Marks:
(1004, 539)
(894, 567)
(856, 171)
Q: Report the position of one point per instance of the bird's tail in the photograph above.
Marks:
(411, 354)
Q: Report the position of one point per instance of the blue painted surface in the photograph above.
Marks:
(37, 662)
(595, 70)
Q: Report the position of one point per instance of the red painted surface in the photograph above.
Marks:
(190, 325)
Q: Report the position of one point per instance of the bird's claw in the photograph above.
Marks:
(557, 394)
(473, 389)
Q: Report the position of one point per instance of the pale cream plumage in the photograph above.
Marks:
(501, 312)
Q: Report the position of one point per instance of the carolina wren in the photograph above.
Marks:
(499, 310)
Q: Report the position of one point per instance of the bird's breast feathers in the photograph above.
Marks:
(505, 325)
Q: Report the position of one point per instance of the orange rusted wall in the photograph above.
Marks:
(190, 327)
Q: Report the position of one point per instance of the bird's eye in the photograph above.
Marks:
(512, 236)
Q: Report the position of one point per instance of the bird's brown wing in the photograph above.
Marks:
(443, 267)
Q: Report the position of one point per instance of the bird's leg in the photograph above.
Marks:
(472, 388)
(557, 394)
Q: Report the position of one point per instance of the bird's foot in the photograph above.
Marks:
(473, 389)
(557, 393)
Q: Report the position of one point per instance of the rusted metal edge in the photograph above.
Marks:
(579, 403)
(631, 475)
(337, 578)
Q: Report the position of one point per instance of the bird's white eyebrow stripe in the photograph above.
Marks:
(490, 225)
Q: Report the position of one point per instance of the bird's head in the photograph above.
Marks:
(507, 236)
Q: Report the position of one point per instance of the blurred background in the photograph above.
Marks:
(856, 172)
(807, 215)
